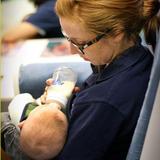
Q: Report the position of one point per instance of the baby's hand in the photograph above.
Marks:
(44, 95)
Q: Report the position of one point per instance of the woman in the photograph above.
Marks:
(103, 115)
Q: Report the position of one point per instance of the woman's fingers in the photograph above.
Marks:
(49, 81)
(76, 90)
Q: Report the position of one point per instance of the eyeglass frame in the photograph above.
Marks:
(84, 46)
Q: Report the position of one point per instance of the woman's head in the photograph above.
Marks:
(117, 17)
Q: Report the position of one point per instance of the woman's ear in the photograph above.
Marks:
(118, 37)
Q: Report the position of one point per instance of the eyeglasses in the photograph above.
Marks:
(81, 47)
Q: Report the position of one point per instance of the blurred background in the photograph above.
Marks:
(13, 11)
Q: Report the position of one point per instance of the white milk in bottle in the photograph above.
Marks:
(64, 80)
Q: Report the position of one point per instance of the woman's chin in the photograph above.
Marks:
(86, 59)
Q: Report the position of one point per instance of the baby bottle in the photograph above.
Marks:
(64, 80)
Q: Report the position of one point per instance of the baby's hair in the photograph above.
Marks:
(43, 134)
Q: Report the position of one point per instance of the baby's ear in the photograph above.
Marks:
(20, 125)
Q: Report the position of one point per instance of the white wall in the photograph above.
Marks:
(13, 11)
(151, 149)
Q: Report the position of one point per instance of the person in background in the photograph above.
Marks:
(43, 23)
(103, 115)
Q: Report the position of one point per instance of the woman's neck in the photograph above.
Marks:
(124, 45)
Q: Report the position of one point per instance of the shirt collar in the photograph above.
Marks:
(128, 58)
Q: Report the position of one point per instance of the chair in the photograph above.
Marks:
(136, 151)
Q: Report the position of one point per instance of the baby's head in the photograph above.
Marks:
(44, 132)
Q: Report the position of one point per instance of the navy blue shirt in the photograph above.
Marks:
(103, 116)
(46, 20)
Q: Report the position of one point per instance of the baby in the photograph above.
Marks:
(43, 129)
(43, 133)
